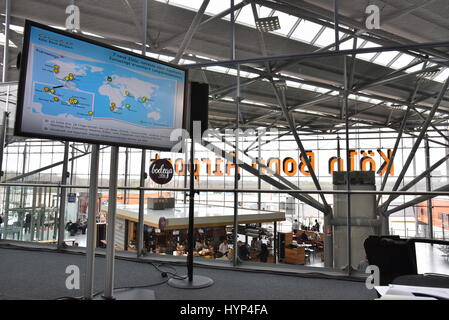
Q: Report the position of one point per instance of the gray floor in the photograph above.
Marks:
(41, 275)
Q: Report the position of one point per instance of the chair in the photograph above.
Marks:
(310, 252)
(307, 257)
(396, 259)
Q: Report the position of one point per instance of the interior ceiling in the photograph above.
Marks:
(119, 22)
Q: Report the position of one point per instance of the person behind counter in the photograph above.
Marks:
(303, 237)
(199, 245)
(263, 255)
(295, 226)
(316, 236)
(242, 251)
(256, 244)
(316, 226)
(223, 247)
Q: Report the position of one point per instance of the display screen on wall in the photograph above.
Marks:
(73, 88)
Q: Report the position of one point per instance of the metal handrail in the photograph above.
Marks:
(230, 190)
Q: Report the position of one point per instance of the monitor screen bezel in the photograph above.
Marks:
(18, 131)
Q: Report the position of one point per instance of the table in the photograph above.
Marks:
(56, 241)
(14, 231)
(295, 255)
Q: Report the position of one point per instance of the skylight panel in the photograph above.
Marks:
(366, 56)
(18, 29)
(246, 17)
(321, 90)
(442, 76)
(232, 72)
(375, 101)
(416, 68)
(217, 69)
(348, 44)
(308, 87)
(264, 12)
(292, 84)
(385, 57)
(217, 6)
(58, 27)
(306, 31)
(205, 58)
(370, 44)
(252, 75)
(327, 37)
(2, 41)
(187, 61)
(153, 55)
(253, 102)
(191, 4)
(402, 61)
(165, 58)
(91, 34)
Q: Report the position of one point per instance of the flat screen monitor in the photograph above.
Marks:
(76, 89)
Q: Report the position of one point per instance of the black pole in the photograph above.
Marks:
(428, 186)
(191, 213)
(338, 154)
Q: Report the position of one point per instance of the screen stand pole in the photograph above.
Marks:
(110, 234)
(63, 198)
(91, 222)
(122, 294)
(140, 227)
(190, 281)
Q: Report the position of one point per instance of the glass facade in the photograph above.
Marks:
(297, 123)
(267, 219)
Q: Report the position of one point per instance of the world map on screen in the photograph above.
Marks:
(81, 87)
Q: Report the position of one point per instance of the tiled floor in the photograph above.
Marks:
(429, 258)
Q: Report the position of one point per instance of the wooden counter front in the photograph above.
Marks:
(294, 256)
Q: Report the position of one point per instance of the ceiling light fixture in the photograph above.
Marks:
(268, 24)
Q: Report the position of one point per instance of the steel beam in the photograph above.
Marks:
(401, 130)
(326, 97)
(418, 142)
(395, 149)
(191, 31)
(19, 177)
(417, 200)
(6, 45)
(336, 25)
(303, 197)
(222, 14)
(433, 126)
(321, 16)
(321, 54)
(389, 79)
(299, 143)
(310, 200)
(263, 46)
